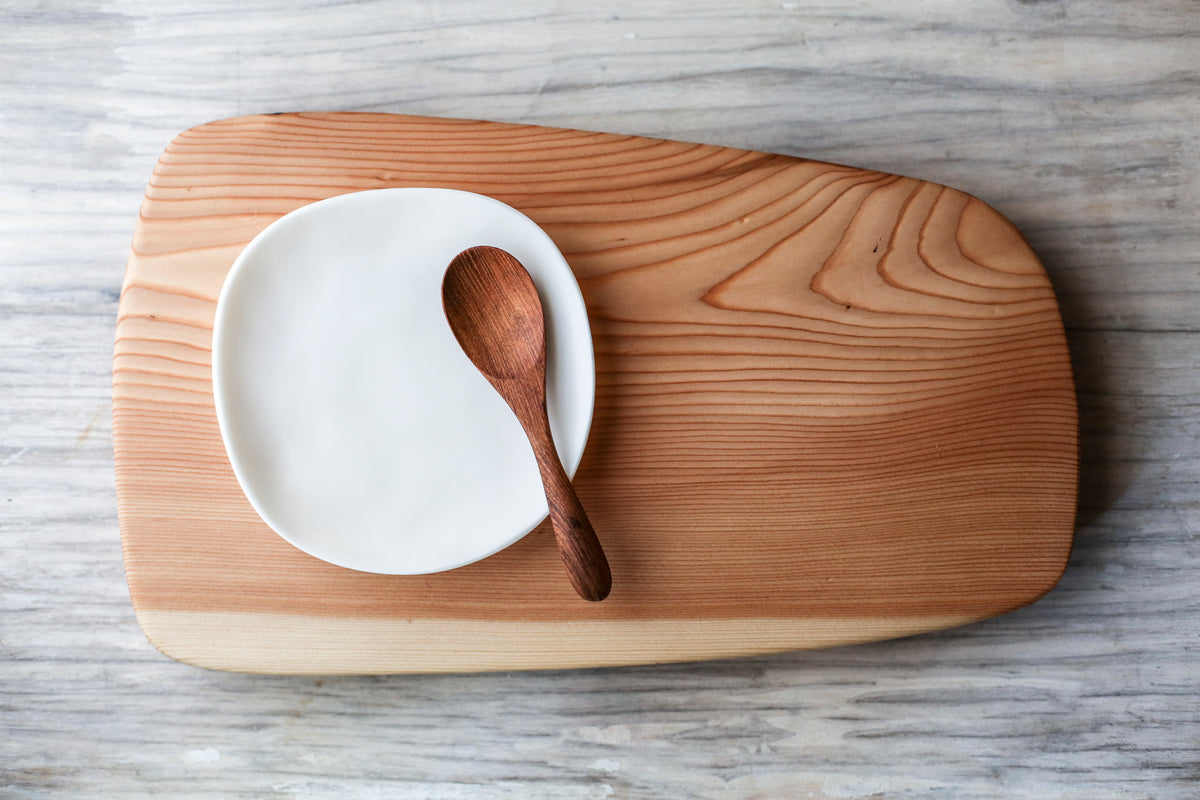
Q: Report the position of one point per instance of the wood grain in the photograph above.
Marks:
(823, 394)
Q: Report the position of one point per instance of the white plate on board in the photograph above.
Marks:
(356, 426)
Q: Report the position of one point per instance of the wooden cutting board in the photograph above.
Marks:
(833, 405)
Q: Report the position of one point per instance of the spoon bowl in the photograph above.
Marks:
(497, 315)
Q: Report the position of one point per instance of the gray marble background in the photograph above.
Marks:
(1076, 119)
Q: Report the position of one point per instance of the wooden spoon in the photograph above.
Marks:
(494, 311)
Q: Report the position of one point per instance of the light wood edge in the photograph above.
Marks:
(306, 645)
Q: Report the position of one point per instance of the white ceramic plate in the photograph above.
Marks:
(358, 429)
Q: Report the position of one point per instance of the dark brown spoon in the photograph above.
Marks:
(494, 311)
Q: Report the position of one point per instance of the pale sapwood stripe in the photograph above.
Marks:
(287, 644)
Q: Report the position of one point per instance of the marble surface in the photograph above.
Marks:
(1078, 120)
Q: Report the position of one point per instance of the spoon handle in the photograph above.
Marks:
(580, 550)
(586, 565)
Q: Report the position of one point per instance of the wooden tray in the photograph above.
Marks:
(833, 405)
